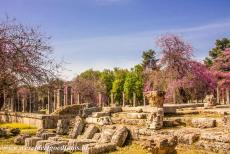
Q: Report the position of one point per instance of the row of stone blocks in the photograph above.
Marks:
(91, 141)
(154, 120)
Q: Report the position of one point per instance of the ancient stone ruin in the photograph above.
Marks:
(82, 127)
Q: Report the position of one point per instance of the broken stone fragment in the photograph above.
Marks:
(41, 145)
(204, 122)
(187, 136)
(31, 142)
(78, 128)
(20, 139)
(163, 144)
(40, 132)
(45, 136)
(120, 135)
(62, 127)
(55, 147)
(90, 131)
(106, 135)
(137, 115)
(98, 148)
(100, 114)
(76, 144)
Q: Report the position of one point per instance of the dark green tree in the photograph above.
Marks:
(220, 46)
(149, 60)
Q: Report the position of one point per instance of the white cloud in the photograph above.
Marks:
(125, 50)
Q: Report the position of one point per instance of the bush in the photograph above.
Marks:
(15, 131)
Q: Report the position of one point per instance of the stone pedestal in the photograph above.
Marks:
(156, 98)
(155, 119)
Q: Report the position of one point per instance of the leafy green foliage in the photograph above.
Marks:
(149, 60)
(118, 84)
(134, 83)
(220, 46)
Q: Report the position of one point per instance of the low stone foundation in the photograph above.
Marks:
(33, 119)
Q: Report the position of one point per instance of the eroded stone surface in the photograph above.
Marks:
(187, 136)
(20, 139)
(41, 145)
(156, 98)
(45, 136)
(137, 115)
(31, 142)
(100, 114)
(90, 131)
(120, 135)
(163, 144)
(55, 147)
(78, 128)
(62, 126)
(98, 148)
(106, 135)
(204, 122)
(76, 144)
(155, 119)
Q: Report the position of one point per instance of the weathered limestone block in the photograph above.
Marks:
(163, 144)
(100, 114)
(55, 138)
(112, 109)
(96, 136)
(145, 132)
(120, 135)
(156, 98)
(78, 128)
(90, 131)
(45, 136)
(218, 147)
(55, 147)
(41, 145)
(3, 132)
(31, 142)
(139, 122)
(99, 121)
(40, 132)
(186, 136)
(134, 133)
(223, 137)
(226, 121)
(204, 122)
(132, 109)
(106, 135)
(137, 115)
(20, 139)
(98, 148)
(62, 126)
(76, 145)
(155, 119)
